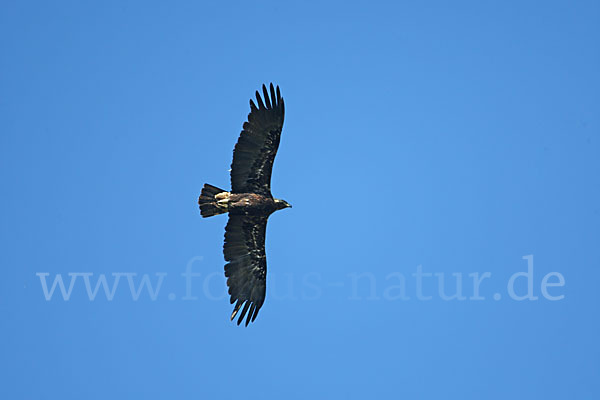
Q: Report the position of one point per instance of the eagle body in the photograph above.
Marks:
(249, 204)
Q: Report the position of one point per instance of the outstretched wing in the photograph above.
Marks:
(246, 270)
(257, 146)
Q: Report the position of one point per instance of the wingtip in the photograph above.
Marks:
(273, 97)
(268, 101)
(243, 314)
(259, 100)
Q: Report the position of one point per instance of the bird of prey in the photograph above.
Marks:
(249, 204)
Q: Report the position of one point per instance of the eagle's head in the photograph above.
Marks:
(281, 204)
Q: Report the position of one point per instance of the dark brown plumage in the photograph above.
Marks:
(249, 204)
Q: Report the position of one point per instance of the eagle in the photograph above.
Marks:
(249, 204)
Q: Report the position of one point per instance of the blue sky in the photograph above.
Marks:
(450, 138)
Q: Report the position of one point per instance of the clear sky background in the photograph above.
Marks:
(455, 136)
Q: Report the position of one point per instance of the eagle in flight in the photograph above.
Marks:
(249, 204)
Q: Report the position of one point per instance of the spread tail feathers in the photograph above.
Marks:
(207, 201)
